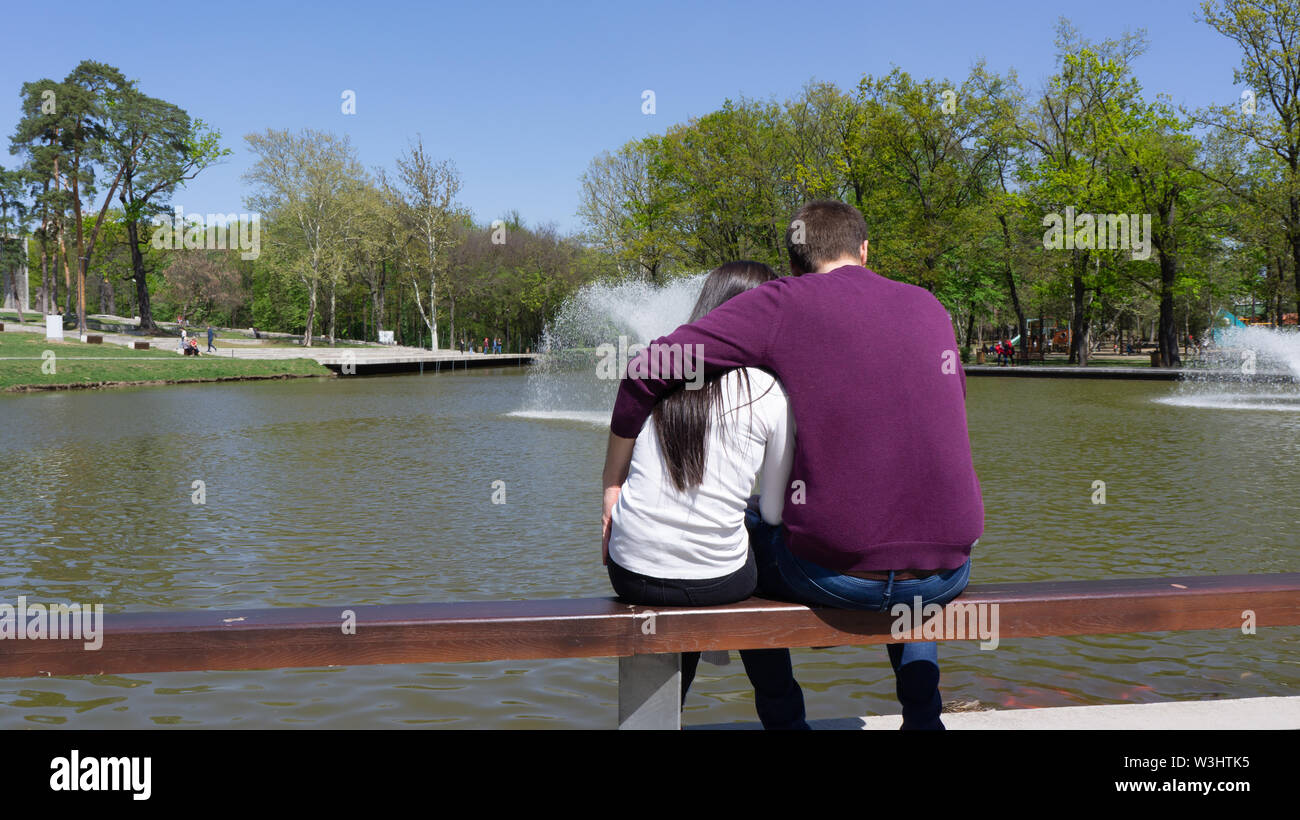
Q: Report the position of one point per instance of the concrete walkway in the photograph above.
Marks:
(366, 358)
(1244, 713)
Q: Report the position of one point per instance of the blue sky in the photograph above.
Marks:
(523, 95)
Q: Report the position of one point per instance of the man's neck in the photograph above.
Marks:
(839, 263)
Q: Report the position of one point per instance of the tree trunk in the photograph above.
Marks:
(43, 293)
(1021, 327)
(81, 250)
(1168, 332)
(452, 294)
(1295, 247)
(333, 313)
(377, 306)
(107, 298)
(1079, 348)
(311, 313)
(433, 312)
(147, 323)
(377, 297)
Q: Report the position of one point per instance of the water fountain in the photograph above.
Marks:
(1250, 368)
(564, 385)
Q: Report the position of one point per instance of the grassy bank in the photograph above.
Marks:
(24, 362)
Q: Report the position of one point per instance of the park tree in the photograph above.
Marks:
(1268, 115)
(624, 211)
(300, 181)
(89, 112)
(1071, 169)
(373, 247)
(725, 188)
(423, 195)
(13, 229)
(203, 281)
(39, 136)
(158, 147)
(1156, 161)
(822, 144)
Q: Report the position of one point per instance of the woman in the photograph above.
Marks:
(677, 534)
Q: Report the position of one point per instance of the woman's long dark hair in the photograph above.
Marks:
(682, 418)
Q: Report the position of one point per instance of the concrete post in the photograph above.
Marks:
(650, 692)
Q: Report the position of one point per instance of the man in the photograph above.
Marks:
(884, 504)
(211, 335)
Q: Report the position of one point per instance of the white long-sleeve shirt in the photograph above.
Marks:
(660, 532)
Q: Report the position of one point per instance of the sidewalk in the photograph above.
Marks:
(1243, 713)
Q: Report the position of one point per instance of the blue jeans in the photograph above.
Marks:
(785, 576)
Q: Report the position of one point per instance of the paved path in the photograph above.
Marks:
(1243, 713)
(365, 357)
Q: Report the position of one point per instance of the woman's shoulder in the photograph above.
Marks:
(765, 389)
(761, 380)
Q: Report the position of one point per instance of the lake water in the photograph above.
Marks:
(379, 490)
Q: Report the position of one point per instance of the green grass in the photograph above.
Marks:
(75, 364)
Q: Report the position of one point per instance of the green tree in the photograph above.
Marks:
(301, 181)
(1268, 116)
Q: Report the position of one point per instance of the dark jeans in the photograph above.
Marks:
(787, 577)
(777, 696)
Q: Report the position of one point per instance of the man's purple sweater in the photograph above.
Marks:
(882, 476)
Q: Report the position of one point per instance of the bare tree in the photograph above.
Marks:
(424, 199)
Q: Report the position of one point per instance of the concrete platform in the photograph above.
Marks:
(1244, 713)
(361, 359)
(1130, 373)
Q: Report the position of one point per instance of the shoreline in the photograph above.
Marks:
(108, 385)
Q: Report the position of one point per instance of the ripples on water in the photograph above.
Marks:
(368, 491)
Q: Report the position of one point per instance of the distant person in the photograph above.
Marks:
(211, 335)
(1011, 353)
(485, 344)
(182, 342)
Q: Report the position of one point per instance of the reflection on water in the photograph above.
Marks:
(379, 490)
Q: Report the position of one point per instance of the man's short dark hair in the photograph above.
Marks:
(829, 230)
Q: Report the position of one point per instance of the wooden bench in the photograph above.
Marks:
(94, 339)
(646, 640)
(139, 345)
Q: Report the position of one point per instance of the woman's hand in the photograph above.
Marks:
(607, 517)
(618, 458)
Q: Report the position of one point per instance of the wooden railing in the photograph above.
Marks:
(647, 640)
